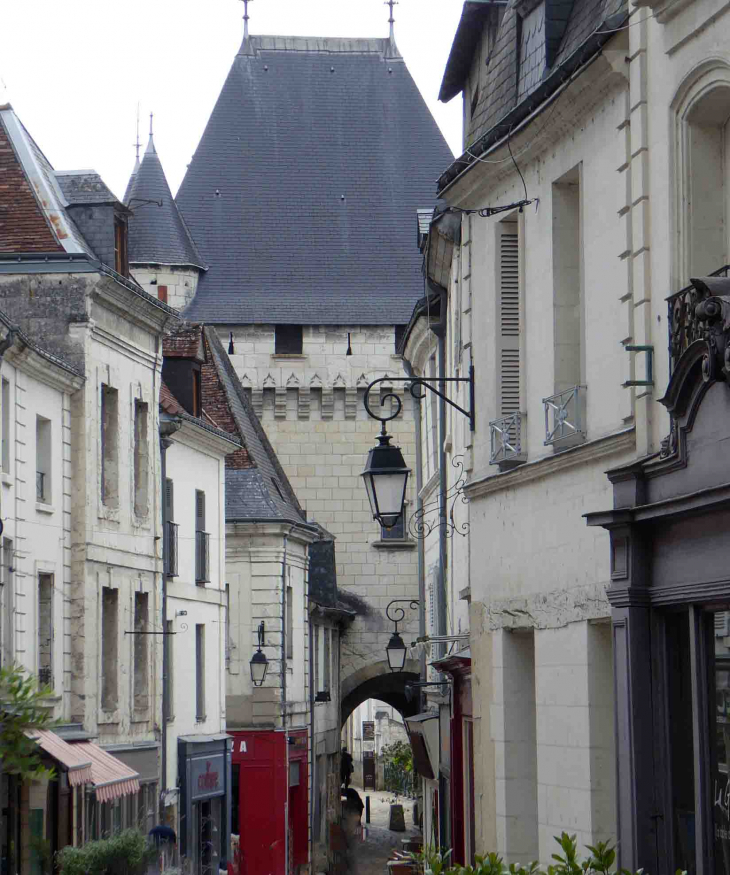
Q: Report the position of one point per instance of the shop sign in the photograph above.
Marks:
(368, 730)
(207, 776)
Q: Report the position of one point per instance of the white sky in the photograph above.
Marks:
(74, 71)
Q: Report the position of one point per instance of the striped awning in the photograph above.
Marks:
(76, 763)
(111, 777)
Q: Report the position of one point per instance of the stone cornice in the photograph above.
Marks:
(618, 442)
(200, 438)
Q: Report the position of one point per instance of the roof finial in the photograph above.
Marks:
(151, 116)
(245, 18)
(391, 20)
(137, 144)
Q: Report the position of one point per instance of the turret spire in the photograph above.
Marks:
(391, 20)
(245, 18)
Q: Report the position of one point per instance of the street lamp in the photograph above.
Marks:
(386, 477)
(259, 663)
(396, 648)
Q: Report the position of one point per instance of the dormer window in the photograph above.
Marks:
(288, 340)
(197, 393)
(121, 260)
(532, 57)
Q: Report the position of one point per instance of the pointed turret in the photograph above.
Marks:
(157, 232)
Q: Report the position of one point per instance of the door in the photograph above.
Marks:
(260, 770)
(368, 769)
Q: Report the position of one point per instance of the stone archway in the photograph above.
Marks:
(377, 681)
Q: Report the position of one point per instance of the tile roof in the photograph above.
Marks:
(256, 486)
(23, 225)
(157, 232)
(300, 195)
(186, 342)
(169, 403)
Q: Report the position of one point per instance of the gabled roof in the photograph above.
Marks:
(256, 486)
(300, 195)
(157, 232)
(84, 187)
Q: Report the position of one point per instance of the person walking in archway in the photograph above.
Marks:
(346, 767)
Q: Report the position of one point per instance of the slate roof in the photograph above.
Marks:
(466, 40)
(300, 195)
(574, 31)
(260, 491)
(84, 187)
(157, 234)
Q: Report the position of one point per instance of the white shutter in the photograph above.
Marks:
(509, 320)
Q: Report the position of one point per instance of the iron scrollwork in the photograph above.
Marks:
(398, 614)
(417, 387)
(421, 527)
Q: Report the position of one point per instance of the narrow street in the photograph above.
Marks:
(369, 857)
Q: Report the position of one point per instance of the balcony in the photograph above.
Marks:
(171, 549)
(506, 440)
(565, 418)
(40, 486)
(202, 558)
(684, 326)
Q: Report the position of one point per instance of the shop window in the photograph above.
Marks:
(45, 629)
(6, 426)
(200, 672)
(141, 667)
(109, 446)
(109, 648)
(288, 340)
(141, 459)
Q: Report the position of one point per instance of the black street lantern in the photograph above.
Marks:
(396, 652)
(386, 477)
(259, 663)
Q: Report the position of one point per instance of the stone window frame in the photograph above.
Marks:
(711, 74)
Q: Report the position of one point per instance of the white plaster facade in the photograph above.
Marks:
(629, 149)
(194, 466)
(35, 405)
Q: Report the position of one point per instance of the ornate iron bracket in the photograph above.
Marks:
(417, 386)
(420, 527)
(399, 614)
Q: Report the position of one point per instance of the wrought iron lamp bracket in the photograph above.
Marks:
(417, 387)
(399, 614)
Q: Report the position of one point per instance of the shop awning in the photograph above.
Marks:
(423, 732)
(76, 763)
(111, 777)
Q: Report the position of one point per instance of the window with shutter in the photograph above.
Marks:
(199, 511)
(170, 499)
(509, 319)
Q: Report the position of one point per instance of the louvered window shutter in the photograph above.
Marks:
(170, 500)
(199, 511)
(509, 322)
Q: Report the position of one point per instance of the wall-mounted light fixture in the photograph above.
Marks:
(259, 663)
(396, 648)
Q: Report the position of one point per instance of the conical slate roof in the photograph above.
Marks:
(302, 191)
(157, 234)
(130, 184)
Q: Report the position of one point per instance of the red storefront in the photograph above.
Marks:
(270, 801)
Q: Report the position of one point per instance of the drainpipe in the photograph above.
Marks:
(168, 427)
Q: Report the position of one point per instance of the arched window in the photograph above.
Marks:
(702, 109)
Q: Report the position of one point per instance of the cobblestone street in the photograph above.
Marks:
(369, 857)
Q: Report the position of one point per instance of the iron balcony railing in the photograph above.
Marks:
(684, 326)
(171, 549)
(565, 417)
(45, 677)
(40, 486)
(202, 557)
(506, 440)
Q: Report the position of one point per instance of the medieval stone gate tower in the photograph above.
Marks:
(301, 201)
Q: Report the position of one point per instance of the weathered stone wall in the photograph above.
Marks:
(312, 409)
(180, 282)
